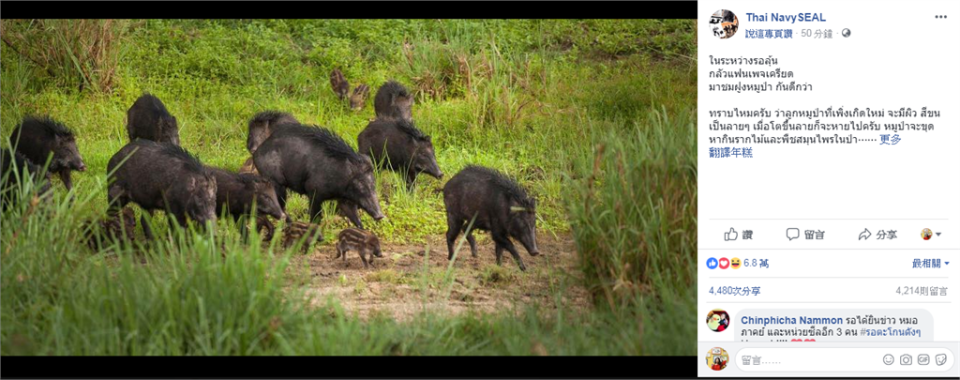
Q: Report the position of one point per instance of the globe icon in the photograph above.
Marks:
(846, 32)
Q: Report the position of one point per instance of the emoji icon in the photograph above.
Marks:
(926, 234)
(724, 263)
(712, 263)
(735, 263)
(888, 359)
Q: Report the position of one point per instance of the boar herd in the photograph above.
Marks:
(154, 172)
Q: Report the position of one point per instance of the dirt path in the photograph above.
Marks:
(405, 281)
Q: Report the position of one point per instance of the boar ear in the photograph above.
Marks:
(369, 163)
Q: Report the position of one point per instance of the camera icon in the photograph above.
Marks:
(906, 359)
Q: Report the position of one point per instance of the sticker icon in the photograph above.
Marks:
(724, 263)
(735, 263)
(712, 263)
(941, 359)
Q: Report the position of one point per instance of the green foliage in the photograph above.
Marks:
(532, 98)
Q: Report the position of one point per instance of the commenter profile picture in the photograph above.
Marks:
(717, 358)
(724, 24)
(718, 320)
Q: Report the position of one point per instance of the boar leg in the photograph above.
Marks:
(316, 210)
(282, 200)
(66, 178)
(264, 223)
(410, 177)
(508, 245)
(349, 210)
(363, 257)
(499, 253)
(454, 225)
(473, 244)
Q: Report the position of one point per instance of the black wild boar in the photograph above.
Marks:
(148, 119)
(359, 97)
(500, 206)
(339, 84)
(162, 176)
(393, 101)
(364, 242)
(236, 193)
(261, 126)
(400, 146)
(315, 162)
(17, 168)
(37, 138)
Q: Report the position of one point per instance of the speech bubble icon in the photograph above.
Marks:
(793, 233)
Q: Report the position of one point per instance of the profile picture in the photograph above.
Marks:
(717, 358)
(724, 24)
(718, 320)
(926, 234)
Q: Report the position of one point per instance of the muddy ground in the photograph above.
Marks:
(408, 279)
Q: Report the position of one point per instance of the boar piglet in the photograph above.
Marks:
(298, 230)
(162, 176)
(149, 119)
(365, 243)
(37, 138)
(499, 205)
(118, 228)
(401, 147)
(339, 84)
(393, 101)
(359, 97)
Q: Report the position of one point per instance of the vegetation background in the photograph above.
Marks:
(594, 117)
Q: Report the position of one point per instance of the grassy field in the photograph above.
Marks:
(594, 117)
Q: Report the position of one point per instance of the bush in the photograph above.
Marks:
(76, 53)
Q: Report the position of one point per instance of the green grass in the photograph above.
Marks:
(532, 98)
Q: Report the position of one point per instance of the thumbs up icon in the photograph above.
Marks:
(732, 235)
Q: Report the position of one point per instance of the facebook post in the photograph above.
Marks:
(829, 215)
(715, 188)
